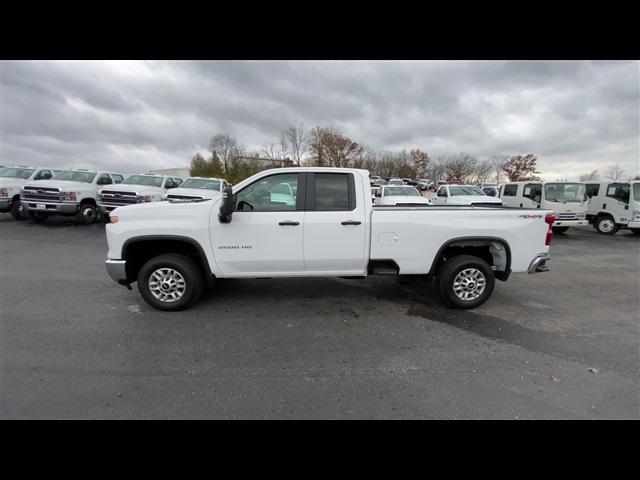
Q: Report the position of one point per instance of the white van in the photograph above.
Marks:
(612, 207)
(567, 200)
(634, 204)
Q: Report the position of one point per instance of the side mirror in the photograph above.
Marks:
(227, 205)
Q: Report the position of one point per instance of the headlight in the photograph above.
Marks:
(4, 192)
(636, 215)
(580, 216)
(163, 196)
(144, 198)
(69, 196)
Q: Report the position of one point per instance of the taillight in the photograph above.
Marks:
(549, 219)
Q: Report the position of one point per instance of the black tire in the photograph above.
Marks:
(449, 271)
(186, 268)
(559, 229)
(88, 213)
(606, 225)
(36, 216)
(16, 210)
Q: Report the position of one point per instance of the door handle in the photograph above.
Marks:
(351, 222)
(288, 222)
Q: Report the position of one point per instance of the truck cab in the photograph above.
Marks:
(12, 179)
(612, 206)
(70, 193)
(566, 199)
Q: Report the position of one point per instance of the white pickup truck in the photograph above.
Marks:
(70, 192)
(330, 229)
(137, 188)
(12, 179)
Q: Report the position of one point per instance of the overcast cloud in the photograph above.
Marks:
(136, 116)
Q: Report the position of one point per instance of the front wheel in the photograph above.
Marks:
(17, 210)
(559, 229)
(606, 225)
(465, 282)
(88, 213)
(170, 282)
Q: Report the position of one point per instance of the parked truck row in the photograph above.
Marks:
(38, 193)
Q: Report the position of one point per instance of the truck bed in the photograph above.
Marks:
(394, 231)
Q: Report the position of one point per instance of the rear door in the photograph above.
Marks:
(335, 224)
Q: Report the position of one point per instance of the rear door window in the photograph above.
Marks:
(333, 192)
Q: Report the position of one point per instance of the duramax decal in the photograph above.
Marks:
(234, 247)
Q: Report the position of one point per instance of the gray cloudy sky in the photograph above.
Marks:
(134, 116)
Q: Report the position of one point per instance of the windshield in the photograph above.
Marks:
(401, 192)
(564, 192)
(202, 183)
(464, 190)
(23, 173)
(145, 180)
(636, 192)
(73, 176)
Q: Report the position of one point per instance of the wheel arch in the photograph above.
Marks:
(138, 250)
(495, 247)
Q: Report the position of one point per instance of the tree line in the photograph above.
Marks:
(329, 147)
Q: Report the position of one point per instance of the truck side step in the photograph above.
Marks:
(383, 267)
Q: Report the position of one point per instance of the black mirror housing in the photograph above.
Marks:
(227, 205)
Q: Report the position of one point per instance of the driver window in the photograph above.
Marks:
(533, 191)
(276, 193)
(43, 175)
(104, 180)
(442, 192)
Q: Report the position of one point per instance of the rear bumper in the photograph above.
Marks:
(51, 207)
(571, 223)
(539, 263)
(117, 270)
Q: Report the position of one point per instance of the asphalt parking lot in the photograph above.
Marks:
(563, 344)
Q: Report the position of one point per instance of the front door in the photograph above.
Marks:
(335, 225)
(264, 237)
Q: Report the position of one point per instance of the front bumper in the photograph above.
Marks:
(539, 263)
(571, 223)
(103, 208)
(5, 203)
(51, 207)
(117, 270)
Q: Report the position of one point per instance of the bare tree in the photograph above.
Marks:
(615, 172)
(591, 176)
(297, 140)
(225, 148)
(460, 167)
(498, 161)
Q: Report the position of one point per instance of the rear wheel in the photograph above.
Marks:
(559, 229)
(465, 281)
(606, 225)
(170, 282)
(36, 216)
(17, 210)
(88, 213)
